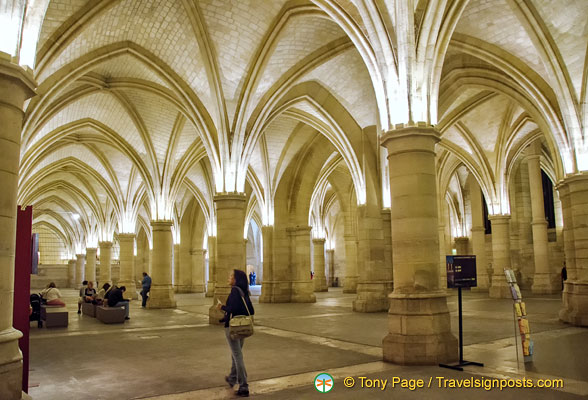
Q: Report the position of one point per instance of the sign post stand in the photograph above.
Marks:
(461, 272)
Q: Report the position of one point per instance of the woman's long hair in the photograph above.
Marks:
(241, 280)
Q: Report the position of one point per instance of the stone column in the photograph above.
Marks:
(197, 264)
(461, 245)
(71, 273)
(442, 254)
(211, 266)
(330, 261)
(500, 256)
(177, 266)
(351, 277)
(185, 282)
(230, 222)
(268, 285)
(16, 86)
(319, 280)
(374, 279)
(127, 258)
(91, 265)
(418, 320)
(302, 287)
(544, 280)
(574, 199)
(80, 264)
(161, 294)
(105, 262)
(478, 235)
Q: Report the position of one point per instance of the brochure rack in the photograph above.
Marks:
(521, 324)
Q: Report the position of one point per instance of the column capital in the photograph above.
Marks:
(580, 178)
(299, 230)
(499, 218)
(16, 73)
(198, 252)
(126, 236)
(319, 241)
(105, 244)
(230, 200)
(331, 251)
(403, 139)
(91, 249)
(161, 225)
(461, 239)
(78, 256)
(478, 229)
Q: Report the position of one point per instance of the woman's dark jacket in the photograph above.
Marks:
(235, 306)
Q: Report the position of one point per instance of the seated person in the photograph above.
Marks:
(52, 295)
(81, 299)
(102, 294)
(115, 299)
(89, 293)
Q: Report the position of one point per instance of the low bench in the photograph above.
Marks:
(54, 316)
(89, 309)
(110, 315)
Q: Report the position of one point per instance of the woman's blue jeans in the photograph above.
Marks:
(238, 373)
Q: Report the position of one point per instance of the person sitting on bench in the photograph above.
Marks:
(89, 293)
(82, 295)
(52, 295)
(102, 294)
(115, 299)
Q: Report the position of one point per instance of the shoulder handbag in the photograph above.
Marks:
(241, 326)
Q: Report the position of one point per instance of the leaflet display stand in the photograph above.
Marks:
(520, 318)
(461, 272)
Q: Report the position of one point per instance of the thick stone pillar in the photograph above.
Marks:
(478, 234)
(418, 319)
(80, 264)
(573, 192)
(16, 86)
(500, 256)
(545, 281)
(461, 245)
(230, 222)
(318, 257)
(185, 270)
(177, 266)
(105, 262)
(91, 265)
(71, 273)
(197, 264)
(162, 292)
(374, 278)
(351, 274)
(211, 266)
(268, 284)
(330, 265)
(302, 287)
(127, 260)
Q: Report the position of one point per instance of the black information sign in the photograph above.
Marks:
(461, 271)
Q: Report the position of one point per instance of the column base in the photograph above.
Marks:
(546, 284)
(131, 292)
(350, 284)
(275, 292)
(372, 297)
(161, 297)
(210, 289)
(575, 304)
(183, 288)
(10, 365)
(499, 289)
(197, 288)
(302, 292)
(420, 330)
(320, 284)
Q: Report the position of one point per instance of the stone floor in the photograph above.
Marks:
(176, 354)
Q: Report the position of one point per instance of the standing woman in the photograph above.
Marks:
(235, 306)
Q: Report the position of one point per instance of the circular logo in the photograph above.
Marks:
(323, 382)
